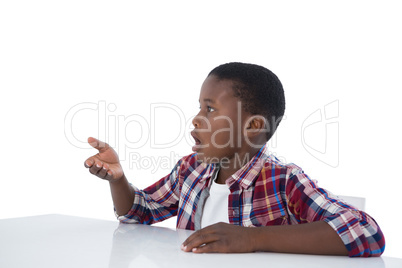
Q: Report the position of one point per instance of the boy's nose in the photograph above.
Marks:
(197, 121)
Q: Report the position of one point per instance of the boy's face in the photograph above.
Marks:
(219, 124)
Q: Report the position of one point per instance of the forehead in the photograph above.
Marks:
(217, 91)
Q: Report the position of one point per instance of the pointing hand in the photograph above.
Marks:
(105, 164)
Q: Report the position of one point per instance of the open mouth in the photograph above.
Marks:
(197, 142)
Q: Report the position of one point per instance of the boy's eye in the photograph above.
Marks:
(210, 109)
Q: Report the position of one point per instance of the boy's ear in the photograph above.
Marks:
(255, 125)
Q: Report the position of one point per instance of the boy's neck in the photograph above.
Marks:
(232, 167)
(223, 175)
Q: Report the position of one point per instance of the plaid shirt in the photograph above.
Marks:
(263, 192)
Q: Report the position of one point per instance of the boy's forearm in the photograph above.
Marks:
(122, 195)
(310, 238)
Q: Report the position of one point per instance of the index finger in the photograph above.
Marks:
(97, 144)
(198, 239)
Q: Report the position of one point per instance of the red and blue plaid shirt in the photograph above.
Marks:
(263, 192)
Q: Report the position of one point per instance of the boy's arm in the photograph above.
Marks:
(157, 202)
(122, 195)
(321, 224)
(310, 238)
(106, 165)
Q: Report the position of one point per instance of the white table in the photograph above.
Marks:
(66, 241)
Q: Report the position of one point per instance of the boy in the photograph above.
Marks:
(231, 183)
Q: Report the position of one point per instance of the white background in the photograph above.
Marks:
(117, 59)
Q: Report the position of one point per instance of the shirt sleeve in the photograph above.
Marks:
(157, 202)
(308, 203)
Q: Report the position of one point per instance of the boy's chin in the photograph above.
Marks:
(202, 158)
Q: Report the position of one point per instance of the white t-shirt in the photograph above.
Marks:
(216, 205)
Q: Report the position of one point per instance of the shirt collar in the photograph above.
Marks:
(246, 175)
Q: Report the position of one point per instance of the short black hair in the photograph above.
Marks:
(259, 90)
